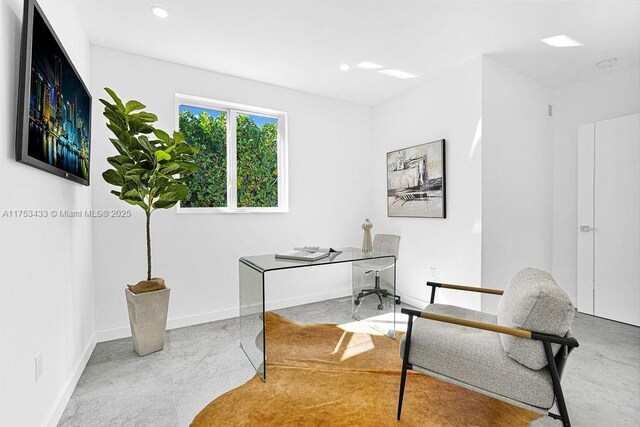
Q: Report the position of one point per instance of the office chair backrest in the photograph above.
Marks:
(389, 243)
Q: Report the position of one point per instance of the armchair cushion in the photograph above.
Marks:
(475, 357)
(533, 301)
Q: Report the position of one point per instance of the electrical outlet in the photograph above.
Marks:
(38, 366)
(433, 273)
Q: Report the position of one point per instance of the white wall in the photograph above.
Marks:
(449, 107)
(46, 289)
(517, 172)
(329, 160)
(612, 95)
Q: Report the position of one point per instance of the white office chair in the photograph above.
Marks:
(388, 243)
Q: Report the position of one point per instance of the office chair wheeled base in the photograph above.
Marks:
(377, 290)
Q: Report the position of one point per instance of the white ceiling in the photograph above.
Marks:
(301, 43)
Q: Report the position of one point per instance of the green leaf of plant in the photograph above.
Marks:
(168, 168)
(175, 193)
(178, 137)
(146, 129)
(162, 155)
(119, 160)
(146, 145)
(113, 177)
(163, 204)
(113, 96)
(132, 195)
(135, 179)
(145, 117)
(112, 108)
(188, 166)
(134, 171)
(133, 106)
(143, 205)
(162, 135)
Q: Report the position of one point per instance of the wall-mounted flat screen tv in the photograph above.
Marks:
(54, 105)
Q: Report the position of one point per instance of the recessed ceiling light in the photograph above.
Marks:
(561, 40)
(398, 74)
(159, 11)
(607, 63)
(345, 67)
(369, 65)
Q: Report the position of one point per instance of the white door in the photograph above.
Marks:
(609, 249)
(586, 153)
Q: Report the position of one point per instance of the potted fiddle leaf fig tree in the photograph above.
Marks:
(149, 171)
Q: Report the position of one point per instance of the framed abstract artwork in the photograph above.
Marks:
(416, 185)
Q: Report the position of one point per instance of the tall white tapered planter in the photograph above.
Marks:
(148, 319)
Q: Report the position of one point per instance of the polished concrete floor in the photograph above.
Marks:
(199, 363)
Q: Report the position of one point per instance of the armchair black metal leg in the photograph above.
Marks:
(403, 380)
(557, 389)
(405, 364)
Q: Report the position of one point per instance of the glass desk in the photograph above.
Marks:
(253, 339)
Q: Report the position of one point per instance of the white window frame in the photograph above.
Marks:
(233, 109)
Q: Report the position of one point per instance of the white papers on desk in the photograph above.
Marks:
(297, 255)
(307, 253)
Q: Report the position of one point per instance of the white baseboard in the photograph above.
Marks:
(196, 319)
(113, 334)
(67, 390)
(418, 303)
(173, 323)
(212, 316)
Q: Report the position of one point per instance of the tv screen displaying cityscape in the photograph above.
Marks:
(54, 114)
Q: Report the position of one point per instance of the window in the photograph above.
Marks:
(242, 156)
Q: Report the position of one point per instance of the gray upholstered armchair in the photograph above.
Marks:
(516, 356)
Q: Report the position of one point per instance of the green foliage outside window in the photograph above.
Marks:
(257, 159)
(208, 186)
(257, 150)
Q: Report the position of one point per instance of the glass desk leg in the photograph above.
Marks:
(252, 317)
(373, 296)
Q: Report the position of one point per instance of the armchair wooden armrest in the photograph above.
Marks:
(435, 285)
(522, 333)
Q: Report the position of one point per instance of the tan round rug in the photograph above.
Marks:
(328, 375)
